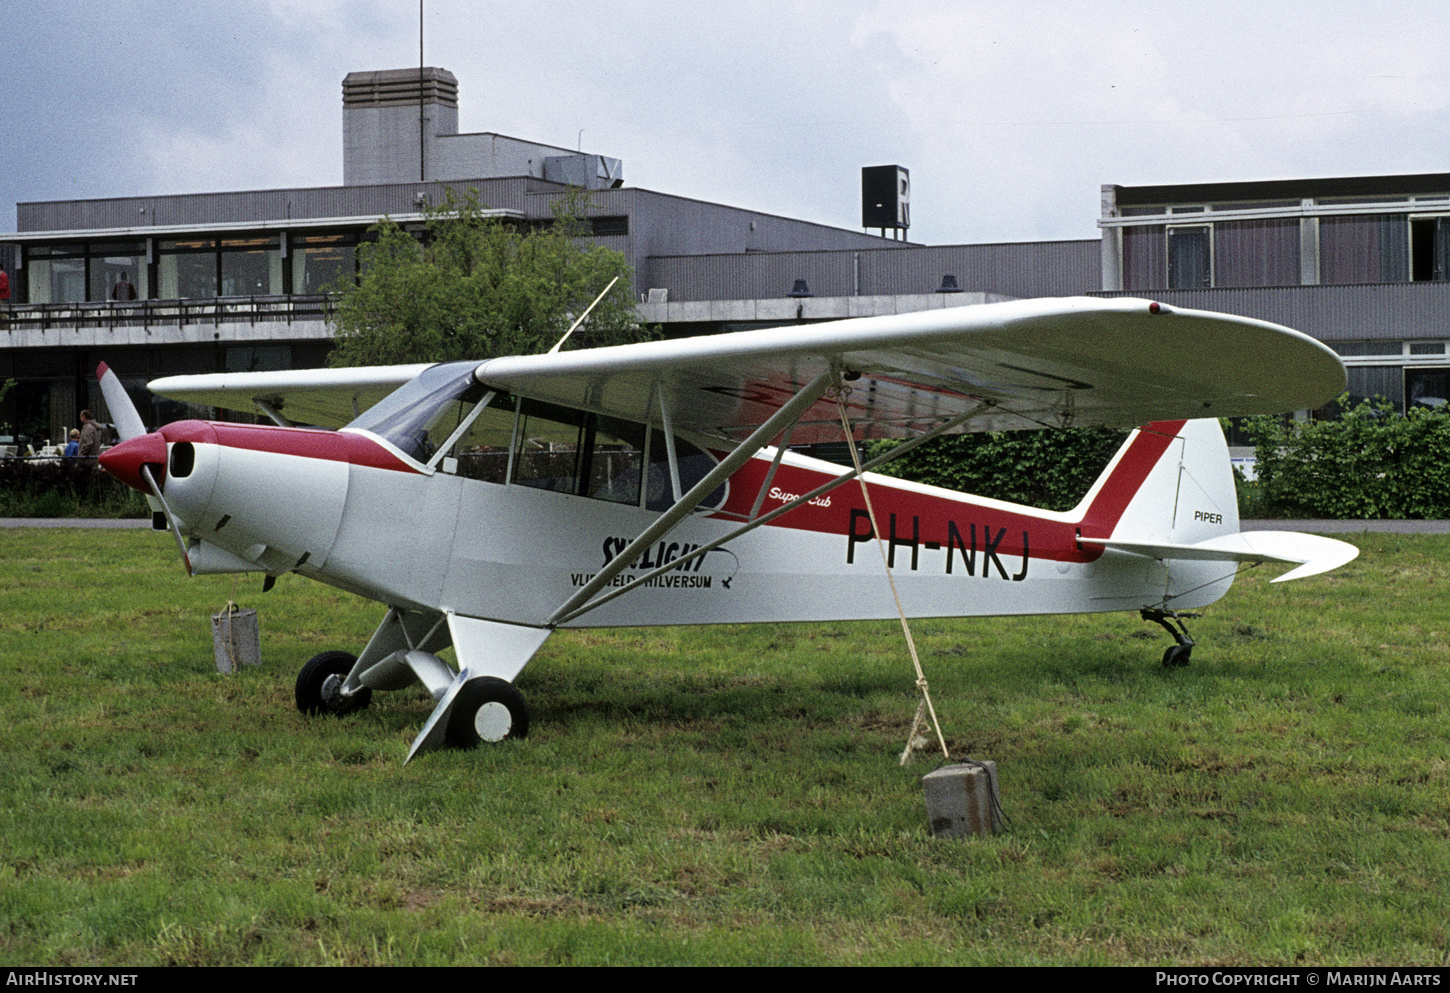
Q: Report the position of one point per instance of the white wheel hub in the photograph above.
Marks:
(493, 721)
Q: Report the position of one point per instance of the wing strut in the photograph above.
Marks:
(570, 611)
(669, 430)
(777, 422)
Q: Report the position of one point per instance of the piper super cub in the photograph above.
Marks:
(488, 503)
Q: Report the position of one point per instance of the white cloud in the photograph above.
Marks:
(1009, 116)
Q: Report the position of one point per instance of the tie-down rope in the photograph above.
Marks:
(919, 725)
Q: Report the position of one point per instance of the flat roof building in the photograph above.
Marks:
(231, 281)
(1362, 263)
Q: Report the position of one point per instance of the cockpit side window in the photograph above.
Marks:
(551, 447)
(482, 451)
(570, 451)
(617, 457)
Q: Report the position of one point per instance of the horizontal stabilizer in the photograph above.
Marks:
(1314, 553)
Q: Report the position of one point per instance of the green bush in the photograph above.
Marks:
(64, 488)
(1047, 469)
(1370, 463)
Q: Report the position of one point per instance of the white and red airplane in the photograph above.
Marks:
(488, 503)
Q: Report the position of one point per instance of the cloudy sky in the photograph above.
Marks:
(1009, 115)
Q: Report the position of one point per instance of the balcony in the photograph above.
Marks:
(140, 322)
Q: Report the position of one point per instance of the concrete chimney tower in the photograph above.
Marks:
(391, 120)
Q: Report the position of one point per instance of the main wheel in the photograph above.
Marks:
(487, 709)
(319, 685)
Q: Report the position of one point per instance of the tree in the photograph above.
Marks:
(476, 288)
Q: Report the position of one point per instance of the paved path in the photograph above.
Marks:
(72, 522)
(1350, 527)
(1317, 527)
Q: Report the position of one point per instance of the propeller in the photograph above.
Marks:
(128, 422)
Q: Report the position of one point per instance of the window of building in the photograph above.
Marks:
(1190, 257)
(1428, 388)
(602, 226)
(1368, 382)
(1355, 348)
(320, 260)
(186, 270)
(258, 358)
(57, 273)
(1429, 248)
(118, 271)
(199, 268)
(57, 280)
(1364, 248)
(251, 266)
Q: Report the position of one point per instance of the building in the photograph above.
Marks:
(1361, 263)
(161, 285)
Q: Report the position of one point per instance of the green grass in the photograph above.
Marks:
(726, 795)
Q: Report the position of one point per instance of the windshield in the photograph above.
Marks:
(420, 416)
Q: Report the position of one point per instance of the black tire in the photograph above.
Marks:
(487, 710)
(312, 682)
(1176, 656)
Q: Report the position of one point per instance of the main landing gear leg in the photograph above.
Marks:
(1177, 654)
(480, 705)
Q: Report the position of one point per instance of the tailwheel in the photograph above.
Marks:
(319, 685)
(488, 709)
(1177, 654)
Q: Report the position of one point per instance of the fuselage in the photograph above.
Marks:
(351, 509)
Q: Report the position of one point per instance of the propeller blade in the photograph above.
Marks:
(123, 412)
(170, 517)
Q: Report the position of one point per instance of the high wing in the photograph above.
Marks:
(326, 398)
(1025, 364)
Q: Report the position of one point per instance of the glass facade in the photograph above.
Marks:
(118, 271)
(229, 267)
(187, 268)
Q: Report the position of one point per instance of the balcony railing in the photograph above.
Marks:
(168, 313)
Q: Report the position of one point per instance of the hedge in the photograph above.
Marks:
(1051, 470)
(1370, 463)
(64, 488)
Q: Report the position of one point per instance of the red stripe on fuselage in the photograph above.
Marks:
(912, 522)
(306, 443)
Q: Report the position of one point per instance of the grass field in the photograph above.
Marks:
(727, 795)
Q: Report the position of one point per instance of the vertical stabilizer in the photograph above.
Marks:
(1169, 487)
(1188, 496)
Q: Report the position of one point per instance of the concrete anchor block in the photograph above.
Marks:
(236, 639)
(963, 800)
